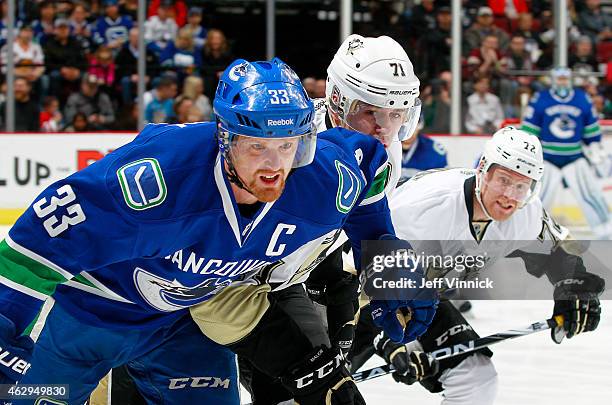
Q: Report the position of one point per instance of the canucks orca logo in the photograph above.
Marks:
(49, 401)
(563, 127)
(349, 187)
(238, 71)
(142, 184)
(166, 295)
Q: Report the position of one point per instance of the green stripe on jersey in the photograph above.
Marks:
(532, 129)
(380, 182)
(27, 272)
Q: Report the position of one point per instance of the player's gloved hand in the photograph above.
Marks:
(403, 321)
(344, 338)
(322, 379)
(597, 157)
(577, 300)
(409, 367)
(15, 352)
(399, 305)
(316, 291)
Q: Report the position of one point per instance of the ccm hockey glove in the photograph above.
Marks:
(322, 379)
(15, 352)
(577, 300)
(409, 367)
(399, 305)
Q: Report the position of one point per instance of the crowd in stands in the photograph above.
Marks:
(76, 60)
(76, 64)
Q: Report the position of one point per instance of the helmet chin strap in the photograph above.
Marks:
(233, 177)
(478, 198)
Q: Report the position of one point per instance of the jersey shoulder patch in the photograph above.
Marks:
(142, 184)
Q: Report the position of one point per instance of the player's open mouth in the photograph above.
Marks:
(505, 206)
(270, 179)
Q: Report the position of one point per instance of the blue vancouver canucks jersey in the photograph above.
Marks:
(424, 154)
(107, 30)
(562, 125)
(153, 228)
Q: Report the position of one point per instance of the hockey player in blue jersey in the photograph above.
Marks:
(566, 123)
(169, 221)
(421, 153)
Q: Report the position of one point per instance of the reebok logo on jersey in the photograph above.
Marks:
(280, 122)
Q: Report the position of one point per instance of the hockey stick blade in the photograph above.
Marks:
(467, 347)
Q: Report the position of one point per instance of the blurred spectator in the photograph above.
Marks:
(182, 55)
(160, 29)
(127, 67)
(178, 10)
(215, 58)
(194, 21)
(547, 32)
(79, 124)
(508, 8)
(319, 89)
(63, 8)
(128, 118)
(484, 111)
(436, 104)
(65, 60)
(524, 28)
(50, 116)
(517, 58)
(80, 28)
(29, 57)
(423, 19)
(595, 23)
(96, 10)
(485, 60)
(43, 27)
(26, 109)
(483, 27)
(182, 107)
(160, 108)
(435, 47)
(583, 58)
(95, 104)
(130, 7)
(309, 84)
(193, 87)
(112, 28)
(4, 22)
(102, 67)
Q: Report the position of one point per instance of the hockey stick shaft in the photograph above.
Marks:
(467, 347)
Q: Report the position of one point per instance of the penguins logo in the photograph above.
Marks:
(354, 45)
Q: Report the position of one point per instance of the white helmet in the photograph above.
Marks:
(378, 72)
(516, 150)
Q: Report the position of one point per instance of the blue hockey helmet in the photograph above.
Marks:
(264, 100)
(561, 81)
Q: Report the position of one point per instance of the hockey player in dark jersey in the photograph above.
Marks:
(170, 221)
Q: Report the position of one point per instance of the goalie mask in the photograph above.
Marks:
(371, 88)
(561, 82)
(520, 157)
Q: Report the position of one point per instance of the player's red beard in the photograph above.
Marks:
(266, 192)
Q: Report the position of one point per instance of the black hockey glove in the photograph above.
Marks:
(409, 367)
(322, 379)
(316, 291)
(577, 300)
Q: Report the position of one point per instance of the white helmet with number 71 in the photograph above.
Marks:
(515, 150)
(371, 88)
